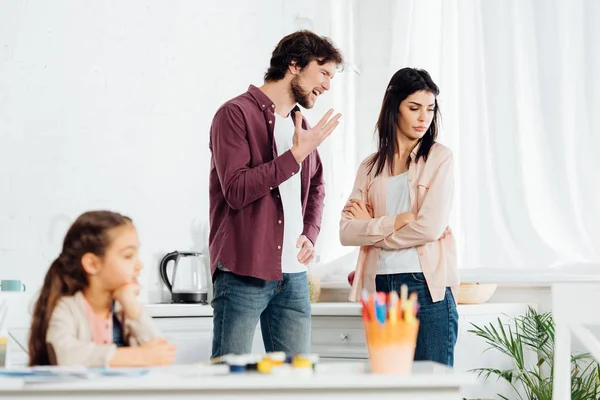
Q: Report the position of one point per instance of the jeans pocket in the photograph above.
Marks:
(419, 277)
(296, 283)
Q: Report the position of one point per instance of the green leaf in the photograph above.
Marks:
(536, 332)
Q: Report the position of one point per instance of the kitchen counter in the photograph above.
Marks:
(170, 310)
(318, 309)
(541, 277)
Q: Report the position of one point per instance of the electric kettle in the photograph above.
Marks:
(190, 277)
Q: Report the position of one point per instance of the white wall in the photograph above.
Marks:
(107, 105)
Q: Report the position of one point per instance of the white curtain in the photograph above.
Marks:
(338, 152)
(520, 99)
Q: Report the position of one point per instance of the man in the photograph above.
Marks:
(266, 200)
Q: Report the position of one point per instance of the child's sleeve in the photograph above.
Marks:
(65, 348)
(143, 329)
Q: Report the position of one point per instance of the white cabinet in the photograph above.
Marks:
(17, 352)
(193, 336)
(338, 338)
(15, 317)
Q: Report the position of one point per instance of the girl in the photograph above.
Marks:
(399, 209)
(87, 312)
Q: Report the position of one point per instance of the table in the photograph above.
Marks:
(428, 380)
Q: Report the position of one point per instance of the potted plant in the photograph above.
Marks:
(535, 332)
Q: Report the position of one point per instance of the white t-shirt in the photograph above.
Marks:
(398, 201)
(290, 191)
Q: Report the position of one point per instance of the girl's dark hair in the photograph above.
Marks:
(302, 47)
(66, 276)
(404, 83)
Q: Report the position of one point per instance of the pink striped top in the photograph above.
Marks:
(102, 329)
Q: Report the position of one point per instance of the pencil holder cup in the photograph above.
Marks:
(391, 346)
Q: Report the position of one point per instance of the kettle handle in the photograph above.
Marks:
(163, 268)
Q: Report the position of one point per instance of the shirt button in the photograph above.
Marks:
(272, 105)
(279, 247)
(270, 121)
(277, 196)
(263, 106)
(279, 221)
(421, 253)
(293, 173)
(270, 188)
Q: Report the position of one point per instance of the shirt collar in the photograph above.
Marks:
(262, 100)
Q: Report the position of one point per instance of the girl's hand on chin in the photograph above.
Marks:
(127, 297)
(127, 291)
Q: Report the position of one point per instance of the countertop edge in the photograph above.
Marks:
(333, 309)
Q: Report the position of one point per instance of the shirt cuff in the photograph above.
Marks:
(388, 225)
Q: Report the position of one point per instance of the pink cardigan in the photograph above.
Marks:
(431, 187)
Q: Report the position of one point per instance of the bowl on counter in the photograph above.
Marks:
(475, 293)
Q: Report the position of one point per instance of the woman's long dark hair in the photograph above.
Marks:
(66, 276)
(404, 83)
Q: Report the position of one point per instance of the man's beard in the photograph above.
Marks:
(301, 97)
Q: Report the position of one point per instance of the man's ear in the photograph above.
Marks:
(90, 263)
(294, 68)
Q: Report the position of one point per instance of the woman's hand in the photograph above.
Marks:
(356, 209)
(127, 297)
(403, 219)
(447, 232)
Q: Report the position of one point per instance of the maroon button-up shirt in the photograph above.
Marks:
(246, 212)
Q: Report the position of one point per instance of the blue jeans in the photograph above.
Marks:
(283, 308)
(438, 326)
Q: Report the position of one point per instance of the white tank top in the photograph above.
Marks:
(398, 201)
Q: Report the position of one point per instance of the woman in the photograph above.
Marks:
(399, 211)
